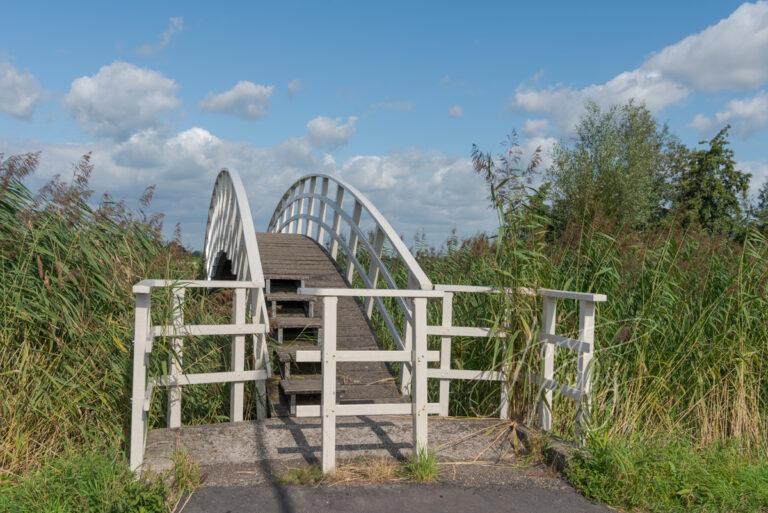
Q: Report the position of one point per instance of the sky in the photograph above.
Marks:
(389, 95)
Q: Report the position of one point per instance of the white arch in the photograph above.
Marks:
(303, 210)
(230, 230)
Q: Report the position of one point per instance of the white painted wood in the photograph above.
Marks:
(445, 354)
(138, 415)
(260, 351)
(321, 214)
(237, 357)
(339, 292)
(354, 237)
(145, 286)
(199, 330)
(311, 207)
(328, 400)
(463, 331)
(584, 363)
(419, 380)
(211, 377)
(578, 296)
(339, 206)
(464, 374)
(374, 267)
(567, 343)
(547, 361)
(308, 356)
(175, 359)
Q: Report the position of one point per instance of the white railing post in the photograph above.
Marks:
(584, 364)
(260, 350)
(328, 400)
(311, 206)
(445, 354)
(337, 222)
(237, 358)
(547, 362)
(419, 362)
(356, 213)
(373, 268)
(405, 372)
(175, 359)
(322, 211)
(138, 415)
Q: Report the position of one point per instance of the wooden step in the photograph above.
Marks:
(292, 321)
(287, 353)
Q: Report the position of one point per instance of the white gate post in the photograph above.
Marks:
(445, 353)
(328, 401)
(584, 364)
(237, 358)
(175, 360)
(419, 361)
(547, 362)
(261, 359)
(405, 373)
(138, 415)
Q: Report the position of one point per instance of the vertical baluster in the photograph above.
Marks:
(321, 214)
(175, 360)
(337, 222)
(328, 355)
(547, 362)
(294, 207)
(353, 239)
(373, 268)
(311, 207)
(584, 364)
(445, 353)
(419, 359)
(302, 212)
(237, 358)
(142, 321)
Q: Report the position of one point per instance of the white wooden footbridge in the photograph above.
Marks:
(306, 292)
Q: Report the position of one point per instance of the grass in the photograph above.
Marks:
(658, 475)
(83, 480)
(421, 467)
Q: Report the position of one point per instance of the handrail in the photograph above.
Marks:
(143, 342)
(314, 206)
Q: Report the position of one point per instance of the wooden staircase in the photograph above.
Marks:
(293, 261)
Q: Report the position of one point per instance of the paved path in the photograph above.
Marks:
(438, 498)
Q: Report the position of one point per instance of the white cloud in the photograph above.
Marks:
(759, 171)
(120, 100)
(294, 86)
(19, 91)
(456, 111)
(565, 104)
(414, 189)
(747, 116)
(728, 55)
(535, 127)
(245, 100)
(330, 133)
(175, 25)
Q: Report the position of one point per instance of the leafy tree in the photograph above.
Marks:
(618, 167)
(710, 191)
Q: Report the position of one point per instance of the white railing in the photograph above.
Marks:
(145, 334)
(329, 356)
(584, 347)
(447, 331)
(335, 214)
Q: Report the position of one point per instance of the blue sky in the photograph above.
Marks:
(388, 95)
